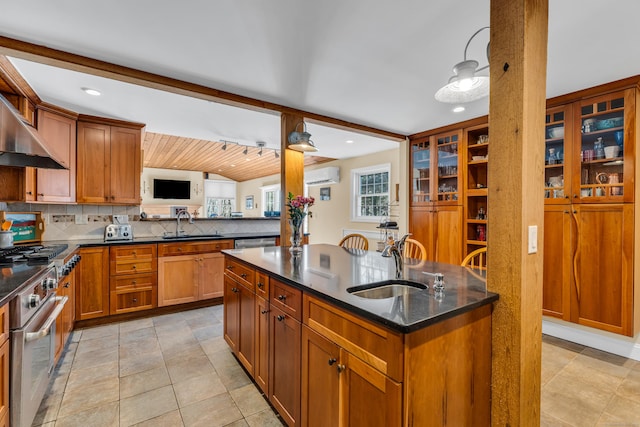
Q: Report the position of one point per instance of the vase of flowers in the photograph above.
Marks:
(298, 208)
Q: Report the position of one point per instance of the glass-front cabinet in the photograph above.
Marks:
(476, 187)
(605, 165)
(421, 172)
(447, 163)
(557, 157)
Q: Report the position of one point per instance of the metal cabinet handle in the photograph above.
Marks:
(133, 267)
(179, 249)
(135, 300)
(29, 193)
(234, 290)
(230, 267)
(41, 194)
(332, 361)
(280, 317)
(264, 311)
(341, 368)
(260, 285)
(134, 253)
(133, 282)
(66, 285)
(243, 275)
(282, 297)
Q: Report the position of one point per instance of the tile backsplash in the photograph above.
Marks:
(82, 222)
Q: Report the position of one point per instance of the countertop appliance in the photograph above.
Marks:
(118, 232)
(32, 319)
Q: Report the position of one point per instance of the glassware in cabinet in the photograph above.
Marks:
(601, 149)
(447, 162)
(421, 172)
(557, 155)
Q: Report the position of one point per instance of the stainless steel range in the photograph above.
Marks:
(32, 319)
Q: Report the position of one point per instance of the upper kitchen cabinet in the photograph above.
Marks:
(109, 161)
(58, 128)
(421, 172)
(447, 185)
(605, 149)
(558, 155)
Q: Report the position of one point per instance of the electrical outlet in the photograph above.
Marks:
(81, 219)
(121, 219)
(533, 239)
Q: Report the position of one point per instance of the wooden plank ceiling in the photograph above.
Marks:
(176, 152)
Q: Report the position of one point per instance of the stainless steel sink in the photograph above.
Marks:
(388, 289)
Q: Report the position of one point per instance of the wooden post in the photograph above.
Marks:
(515, 202)
(291, 172)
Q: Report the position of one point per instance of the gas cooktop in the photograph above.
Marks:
(31, 254)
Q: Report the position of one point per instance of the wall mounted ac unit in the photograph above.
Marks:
(330, 175)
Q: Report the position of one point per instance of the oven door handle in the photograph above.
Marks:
(46, 328)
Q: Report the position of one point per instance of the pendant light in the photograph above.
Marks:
(465, 85)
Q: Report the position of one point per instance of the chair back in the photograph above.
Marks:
(354, 241)
(414, 249)
(477, 260)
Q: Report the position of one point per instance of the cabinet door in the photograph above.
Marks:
(421, 172)
(558, 155)
(92, 290)
(94, 161)
(284, 360)
(124, 180)
(60, 132)
(69, 312)
(30, 178)
(211, 275)
(447, 185)
(422, 228)
(557, 272)
(448, 245)
(246, 340)
(4, 381)
(320, 380)
(369, 397)
(177, 280)
(261, 365)
(231, 313)
(603, 262)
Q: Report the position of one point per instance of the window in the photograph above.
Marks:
(271, 200)
(370, 187)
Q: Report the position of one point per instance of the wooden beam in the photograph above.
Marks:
(516, 130)
(291, 172)
(83, 64)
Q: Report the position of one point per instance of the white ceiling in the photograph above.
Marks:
(372, 62)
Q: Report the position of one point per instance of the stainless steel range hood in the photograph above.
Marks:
(20, 143)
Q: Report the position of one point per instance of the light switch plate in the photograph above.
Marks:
(533, 239)
(82, 219)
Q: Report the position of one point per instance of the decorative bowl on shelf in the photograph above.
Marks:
(613, 122)
(611, 152)
(478, 158)
(556, 132)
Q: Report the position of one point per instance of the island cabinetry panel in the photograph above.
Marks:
(190, 271)
(239, 321)
(92, 290)
(109, 165)
(133, 280)
(261, 365)
(4, 365)
(241, 272)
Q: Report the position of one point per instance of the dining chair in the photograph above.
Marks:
(414, 249)
(477, 262)
(354, 241)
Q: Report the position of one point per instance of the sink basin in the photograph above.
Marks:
(387, 289)
(190, 236)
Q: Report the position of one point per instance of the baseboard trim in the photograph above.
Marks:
(605, 341)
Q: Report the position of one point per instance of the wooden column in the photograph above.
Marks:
(515, 202)
(291, 172)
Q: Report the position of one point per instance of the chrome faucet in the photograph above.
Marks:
(395, 249)
(179, 230)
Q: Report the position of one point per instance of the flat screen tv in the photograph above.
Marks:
(171, 189)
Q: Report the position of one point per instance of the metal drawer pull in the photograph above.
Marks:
(135, 300)
(46, 328)
(133, 267)
(243, 275)
(260, 285)
(282, 297)
(332, 361)
(234, 290)
(280, 317)
(341, 368)
(264, 311)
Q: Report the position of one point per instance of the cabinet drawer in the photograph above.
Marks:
(286, 298)
(379, 347)
(262, 285)
(187, 248)
(133, 266)
(240, 272)
(127, 299)
(133, 281)
(132, 252)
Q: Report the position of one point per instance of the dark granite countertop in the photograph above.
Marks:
(328, 271)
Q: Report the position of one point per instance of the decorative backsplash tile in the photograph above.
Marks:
(62, 218)
(99, 218)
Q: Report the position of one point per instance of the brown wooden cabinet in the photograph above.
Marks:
(190, 271)
(92, 286)
(261, 346)
(239, 321)
(559, 235)
(109, 161)
(133, 278)
(4, 365)
(439, 229)
(64, 322)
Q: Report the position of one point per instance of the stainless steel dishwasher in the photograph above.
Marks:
(255, 243)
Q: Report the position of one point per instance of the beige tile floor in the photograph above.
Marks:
(176, 370)
(172, 370)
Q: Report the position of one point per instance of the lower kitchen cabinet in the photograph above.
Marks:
(439, 229)
(92, 290)
(261, 365)
(4, 365)
(178, 279)
(133, 292)
(239, 321)
(558, 261)
(284, 359)
(64, 322)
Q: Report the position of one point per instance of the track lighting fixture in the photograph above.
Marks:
(276, 154)
(246, 151)
(224, 147)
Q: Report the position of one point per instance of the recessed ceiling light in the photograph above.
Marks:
(349, 141)
(247, 159)
(219, 170)
(92, 92)
(458, 109)
(233, 166)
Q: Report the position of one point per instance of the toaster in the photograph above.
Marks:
(118, 232)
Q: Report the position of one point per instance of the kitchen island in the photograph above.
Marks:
(326, 354)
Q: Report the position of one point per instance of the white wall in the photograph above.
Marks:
(253, 188)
